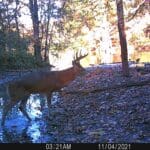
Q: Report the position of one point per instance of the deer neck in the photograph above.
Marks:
(67, 75)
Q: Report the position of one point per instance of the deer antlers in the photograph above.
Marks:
(78, 56)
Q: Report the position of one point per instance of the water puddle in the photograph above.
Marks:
(18, 129)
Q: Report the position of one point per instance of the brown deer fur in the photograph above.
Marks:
(43, 82)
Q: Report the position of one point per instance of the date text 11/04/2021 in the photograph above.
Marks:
(114, 146)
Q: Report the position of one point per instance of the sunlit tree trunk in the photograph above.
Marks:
(122, 36)
(106, 43)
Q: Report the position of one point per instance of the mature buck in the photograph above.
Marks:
(43, 82)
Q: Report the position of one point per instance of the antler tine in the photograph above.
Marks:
(73, 55)
(80, 53)
(80, 56)
(76, 56)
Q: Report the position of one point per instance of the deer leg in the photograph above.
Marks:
(49, 102)
(42, 101)
(23, 107)
(6, 109)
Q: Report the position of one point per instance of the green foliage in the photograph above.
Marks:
(134, 37)
(15, 42)
(13, 52)
(19, 60)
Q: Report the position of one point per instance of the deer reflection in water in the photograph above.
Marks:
(18, 130)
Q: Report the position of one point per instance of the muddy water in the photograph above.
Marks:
(18, 129)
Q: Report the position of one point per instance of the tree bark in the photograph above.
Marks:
(122, 36)
(17, 25)
(35, 20)
(46, 53)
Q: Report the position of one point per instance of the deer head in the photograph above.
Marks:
(76, 62)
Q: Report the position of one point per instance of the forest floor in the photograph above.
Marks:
(89, 111)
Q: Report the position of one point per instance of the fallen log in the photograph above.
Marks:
(113, 87)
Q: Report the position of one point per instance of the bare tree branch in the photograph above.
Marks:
(137, 10)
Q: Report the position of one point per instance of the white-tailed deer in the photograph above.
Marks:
(43, 82)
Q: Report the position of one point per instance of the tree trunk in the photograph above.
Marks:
(35, 20)
(17, 25)
(122, 36)
(46, 54)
